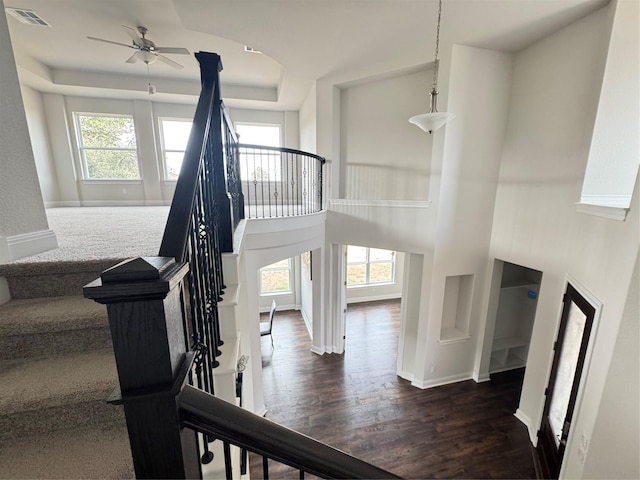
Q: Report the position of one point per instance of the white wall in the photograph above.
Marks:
(614, 155)
(619, 415)
(38, 132)
(21, 204)
(307, 119)
(552, 110)
(383, 156)
(463, 193)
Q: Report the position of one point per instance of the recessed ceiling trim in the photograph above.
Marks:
(26, 16)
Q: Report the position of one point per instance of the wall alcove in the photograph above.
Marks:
(515, 314)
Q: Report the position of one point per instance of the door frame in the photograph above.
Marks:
(596, 305)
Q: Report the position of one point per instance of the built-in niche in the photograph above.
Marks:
(519, 288)
(456, 309)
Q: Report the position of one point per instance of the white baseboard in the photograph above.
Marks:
(406, 375)
(62, 204)
(26, 244)
(123, 203)
(317, 351)
(436, 382)
(526, 420)
(484, 377)
(374, 298)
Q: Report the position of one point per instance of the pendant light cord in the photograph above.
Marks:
(437, 62)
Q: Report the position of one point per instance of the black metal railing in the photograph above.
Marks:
(200, 227)
(234, 426)
(280, 182)
(163, 311)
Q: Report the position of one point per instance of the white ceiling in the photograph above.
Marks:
(301, 40)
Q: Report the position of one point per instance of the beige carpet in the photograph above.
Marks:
(93, 233)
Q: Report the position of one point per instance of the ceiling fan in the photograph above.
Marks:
(145, 49)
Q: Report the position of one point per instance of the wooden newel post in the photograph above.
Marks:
(143, 298)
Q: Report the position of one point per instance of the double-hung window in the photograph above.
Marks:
(107, 145)
(369, 266)
(175, 135)
(276, 278)
(260, 165)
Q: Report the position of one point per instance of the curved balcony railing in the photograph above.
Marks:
(279, 182)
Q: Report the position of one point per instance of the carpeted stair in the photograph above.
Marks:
(56, 372)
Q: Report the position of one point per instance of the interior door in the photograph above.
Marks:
(570, 351)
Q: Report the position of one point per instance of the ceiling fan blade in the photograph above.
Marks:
(132, 59)
(169, 62)
(109, 41)
(134, 36)
(176, 51)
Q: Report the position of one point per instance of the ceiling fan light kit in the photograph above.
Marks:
(432, 121)
(146, 50)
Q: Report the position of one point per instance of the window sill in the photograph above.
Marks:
(275, 294)
(112, 181)
(604, 211)
(365, 285)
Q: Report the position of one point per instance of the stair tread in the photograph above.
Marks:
(32, 383)
(50, 314)
(25, 268)
(97, 452)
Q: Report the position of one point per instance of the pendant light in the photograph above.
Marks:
(432, 121)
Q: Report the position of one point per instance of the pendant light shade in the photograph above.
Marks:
(432, 121)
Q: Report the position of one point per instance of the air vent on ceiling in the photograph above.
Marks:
(249, 49)
(26, 16)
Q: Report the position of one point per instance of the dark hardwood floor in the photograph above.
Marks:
(356, 403)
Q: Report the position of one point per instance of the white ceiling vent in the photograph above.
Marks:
(249, 49)
(26, 16)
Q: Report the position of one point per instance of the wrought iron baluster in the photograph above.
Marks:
(265, 468)
(227, 460)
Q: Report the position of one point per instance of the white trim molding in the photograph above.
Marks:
(348, 202)
(26, 244)
(615, 207)
(436, 382)
(524, 418)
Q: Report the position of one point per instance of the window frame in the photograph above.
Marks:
(367, 263)
(81, 148)
(164, 150)
(244, 175)
(270, 267)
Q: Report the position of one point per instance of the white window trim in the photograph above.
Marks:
(163, 150)
(289, 269)
(368, 263)
(86, 179)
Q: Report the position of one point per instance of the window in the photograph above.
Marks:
(276, 278)
(265, 165)
(107, 146)
(369, 266)
(175, 135)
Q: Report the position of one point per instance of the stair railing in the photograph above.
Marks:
(164, 324)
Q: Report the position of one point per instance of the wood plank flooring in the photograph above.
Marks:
(356, 403)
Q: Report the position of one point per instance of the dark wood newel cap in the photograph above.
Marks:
(141, 269)
(142, 278)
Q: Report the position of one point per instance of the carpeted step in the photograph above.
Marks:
(39, 396)
(52, 326)
(88, 453)
(52, 279)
